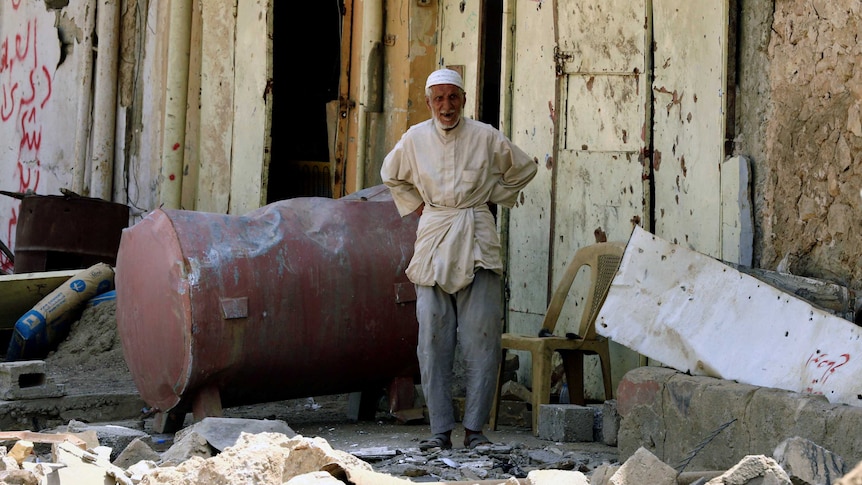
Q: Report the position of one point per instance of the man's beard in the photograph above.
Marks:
(445, 127)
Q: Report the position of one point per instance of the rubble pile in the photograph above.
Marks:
(269, 457)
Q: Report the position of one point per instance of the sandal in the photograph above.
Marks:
(439, 440)
(473, 440)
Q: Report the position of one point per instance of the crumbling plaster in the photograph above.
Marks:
(799, 116)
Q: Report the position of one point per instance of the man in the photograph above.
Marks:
(449, 169)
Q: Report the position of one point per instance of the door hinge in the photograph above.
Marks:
(560, 60)
(345, 104)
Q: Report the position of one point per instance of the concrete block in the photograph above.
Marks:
(515, 413)
(754, 469)
(805, 461)
(644, 467)
(603, 473)
(610, 422)
(115, 437)
(26, 379)
(221, 433)
(554, 477)
(566, 422)
(515, 391)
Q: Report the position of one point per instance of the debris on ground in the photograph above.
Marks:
(275, 458)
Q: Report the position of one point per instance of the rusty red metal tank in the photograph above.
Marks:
(303, 297)
(67, 232)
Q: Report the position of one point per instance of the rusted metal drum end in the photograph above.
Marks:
(57, 232)
(303, 297)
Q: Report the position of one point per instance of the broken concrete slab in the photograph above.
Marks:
(135, 452)
(753, 470)
(644, 467)
(806, 462)
(223, 432)
(117, 438)
(86, 467)
(698, 315)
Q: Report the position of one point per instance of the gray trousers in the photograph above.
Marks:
(473, 318)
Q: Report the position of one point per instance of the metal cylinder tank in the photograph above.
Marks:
(303, 297)
(67, 232)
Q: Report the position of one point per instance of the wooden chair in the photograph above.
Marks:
(603, 259)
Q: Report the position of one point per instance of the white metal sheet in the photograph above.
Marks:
(698, 315)
(689, 122)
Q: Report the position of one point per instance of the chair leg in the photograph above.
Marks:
(495, 406)
(605, 361)
(573, 365)
(541, 384)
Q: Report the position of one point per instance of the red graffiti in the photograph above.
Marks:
(827, 364)
(25, 89)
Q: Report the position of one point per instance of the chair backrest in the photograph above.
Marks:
(603, 260)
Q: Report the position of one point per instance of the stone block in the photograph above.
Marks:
(806, 462)
(26, 379)
(754, 469)
(515, 413)
(644, 467)
(566, 422)
(610, 422)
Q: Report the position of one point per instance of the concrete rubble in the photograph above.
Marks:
(221, 451)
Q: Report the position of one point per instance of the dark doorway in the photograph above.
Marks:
(306, 62)
(491, 61)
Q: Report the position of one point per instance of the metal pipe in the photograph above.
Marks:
(85, 98)
(105, 100)
(176, 95)
(372, 35)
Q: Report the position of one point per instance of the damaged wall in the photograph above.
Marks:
(46, 55)
(807, 190)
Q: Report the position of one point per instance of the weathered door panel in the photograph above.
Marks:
(603, 36)
(689, 128)
(599, 187)
(599, 178)
(252, 112)
(528, 115)
(604, 109)
(460, 45)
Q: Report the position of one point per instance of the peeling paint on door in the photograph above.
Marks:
(689, 120)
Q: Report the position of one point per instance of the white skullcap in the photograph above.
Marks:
(444, 76)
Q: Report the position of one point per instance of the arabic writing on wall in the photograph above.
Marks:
(25, 89)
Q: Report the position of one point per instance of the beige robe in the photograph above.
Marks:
(455, 173)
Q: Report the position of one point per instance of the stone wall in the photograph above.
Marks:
(800, 118)
(715, 423)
